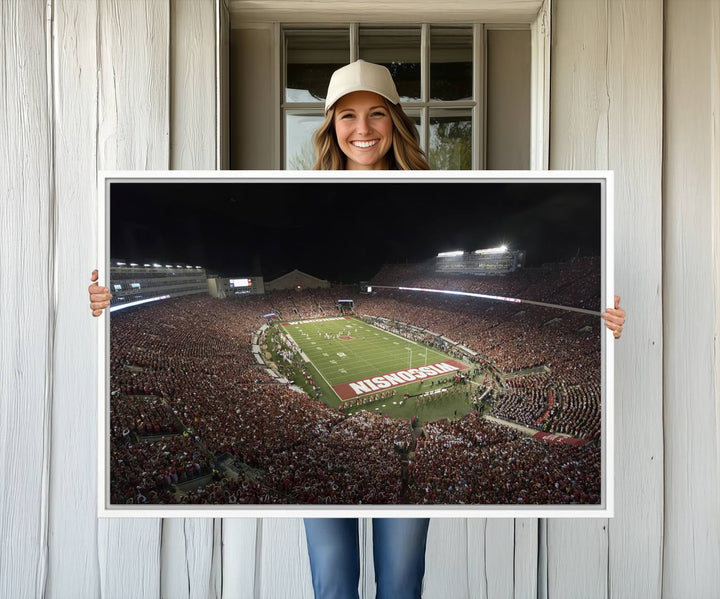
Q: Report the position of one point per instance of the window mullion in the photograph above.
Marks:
(280, 60)
(425, 85)
(479, 86)
(354, 41)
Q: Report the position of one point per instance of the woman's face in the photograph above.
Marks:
(364, 130)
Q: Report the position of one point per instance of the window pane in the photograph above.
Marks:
(299, 150)
(450, 139)
(398, 50)
(451, 55)
(415, 117)
(311, 58)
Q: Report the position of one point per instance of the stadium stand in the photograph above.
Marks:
(195, 419)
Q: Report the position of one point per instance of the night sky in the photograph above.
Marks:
(345, 232)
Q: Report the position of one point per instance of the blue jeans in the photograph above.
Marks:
(398, 551)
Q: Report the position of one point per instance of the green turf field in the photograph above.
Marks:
(368, 352)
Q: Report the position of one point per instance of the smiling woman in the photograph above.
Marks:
(365, 128)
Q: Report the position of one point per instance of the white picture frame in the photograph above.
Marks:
(605, 509)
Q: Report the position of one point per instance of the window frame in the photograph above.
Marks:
(540, 30)
(423, 107)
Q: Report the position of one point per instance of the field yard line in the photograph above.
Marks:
(399, 337)
(317, 370)
(359, 357)
(323, 377)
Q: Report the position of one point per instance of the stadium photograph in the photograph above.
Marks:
(387, 343)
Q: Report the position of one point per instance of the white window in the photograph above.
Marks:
(478, 92)
(440, 72)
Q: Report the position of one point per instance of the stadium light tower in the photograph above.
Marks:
(498, 250)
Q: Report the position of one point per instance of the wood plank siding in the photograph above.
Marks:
(144, 85)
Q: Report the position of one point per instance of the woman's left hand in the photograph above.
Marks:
(615, 318)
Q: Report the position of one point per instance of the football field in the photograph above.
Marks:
(360, 363)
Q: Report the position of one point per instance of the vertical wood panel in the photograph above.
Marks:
(187, 544)
(500, 556)
(192, 85)
(222, 16)
(477, 572)
(26, 307)
(540, 89)
(542, 574)
(446, 559)
(691, 400)
(133, 100)
(607, 113)
(133, 134)
(577, 552)
(73, 561)
(578, 91)
(526, 558)
(715, 195)
(239, 558)
(282, 568)
(186, 560)
(367, 561)
(577, 558)
(634, 78)
(216, 568)
(491, 557)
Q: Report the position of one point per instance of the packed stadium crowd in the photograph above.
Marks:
(579, 414)
(475, 461)
(186, 390)
(525, 399)
(575, 283)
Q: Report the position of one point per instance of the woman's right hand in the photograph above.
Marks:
(99, 296)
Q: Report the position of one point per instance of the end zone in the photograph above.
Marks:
(390, 380)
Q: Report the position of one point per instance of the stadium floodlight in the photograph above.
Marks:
(157, 265)
(498, 250)
(168, 266)
(198, 267)
(133, 264)
(138, 302)
(120, 263)
(450, 254)
(188, 267)
(147, 265)
(178, 266)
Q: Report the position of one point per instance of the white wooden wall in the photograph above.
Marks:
(691, 281)
(606, 113)
(113, 84)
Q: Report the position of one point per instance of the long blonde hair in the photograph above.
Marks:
(405, 154)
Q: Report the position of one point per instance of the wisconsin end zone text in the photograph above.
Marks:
(395, 379)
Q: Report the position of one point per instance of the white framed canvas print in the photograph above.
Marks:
(411, 343)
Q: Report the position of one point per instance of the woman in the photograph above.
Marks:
(365, 129)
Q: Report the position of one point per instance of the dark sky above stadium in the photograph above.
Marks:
(345, 232)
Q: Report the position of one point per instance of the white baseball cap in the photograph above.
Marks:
(361, 76)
